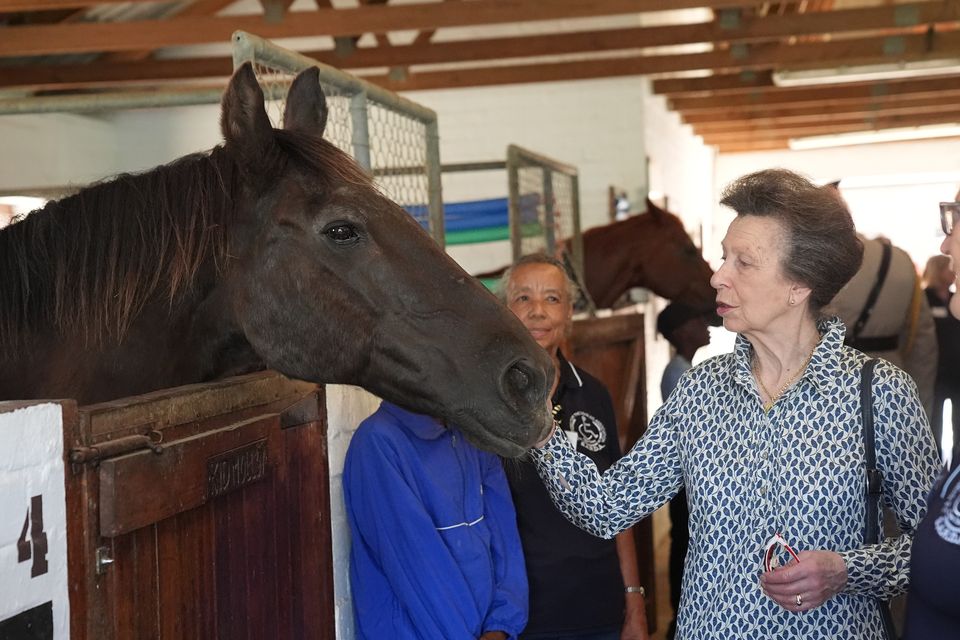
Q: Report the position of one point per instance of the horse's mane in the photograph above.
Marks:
(88, 264)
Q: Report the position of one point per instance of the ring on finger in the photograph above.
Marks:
(799, 600)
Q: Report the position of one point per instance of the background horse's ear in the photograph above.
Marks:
(306, 110)
(653, 209)
(243, 120)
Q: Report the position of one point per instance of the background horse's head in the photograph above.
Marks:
(276, 250)
(649, 250)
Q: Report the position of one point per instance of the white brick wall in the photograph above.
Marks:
(346, 407)
(594, 125)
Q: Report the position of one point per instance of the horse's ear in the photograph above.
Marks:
(243, 120)
(306, 110)
(652, 208)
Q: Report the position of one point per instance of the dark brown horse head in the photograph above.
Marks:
(649, 250)
(275, 250)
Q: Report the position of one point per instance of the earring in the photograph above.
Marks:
(792, 301)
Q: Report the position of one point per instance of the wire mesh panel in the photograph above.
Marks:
(395, 139)
(544, 207)
(398, 158)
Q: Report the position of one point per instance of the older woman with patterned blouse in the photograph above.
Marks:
(767, 440)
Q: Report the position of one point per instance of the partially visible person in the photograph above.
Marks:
(435, 551)
(888, 316)
(581, 587)
(933, 605)
(686, 329)
(768, 441)
(938, 277)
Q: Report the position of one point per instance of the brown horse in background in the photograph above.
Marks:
(274, 249)
(650, 250)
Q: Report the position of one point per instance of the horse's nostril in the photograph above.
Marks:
(518, 378)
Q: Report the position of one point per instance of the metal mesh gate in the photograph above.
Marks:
(395, 139)
(544, 206)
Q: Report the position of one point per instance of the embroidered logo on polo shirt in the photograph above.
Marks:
(593, 437)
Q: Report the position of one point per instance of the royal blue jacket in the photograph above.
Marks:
(435, 549)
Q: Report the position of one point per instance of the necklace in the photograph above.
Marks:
(786, 385)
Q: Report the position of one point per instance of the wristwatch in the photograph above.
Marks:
(639, 590)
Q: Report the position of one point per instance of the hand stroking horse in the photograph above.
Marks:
(274, 249)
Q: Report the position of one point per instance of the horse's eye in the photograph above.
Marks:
(341, 233)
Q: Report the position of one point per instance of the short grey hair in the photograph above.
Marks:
(571, 288)
(822, 248)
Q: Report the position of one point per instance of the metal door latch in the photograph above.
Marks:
(103, 560)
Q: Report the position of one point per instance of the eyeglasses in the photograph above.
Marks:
(771, 559)
(949, 215)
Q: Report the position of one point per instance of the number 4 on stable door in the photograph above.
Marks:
(36, 545)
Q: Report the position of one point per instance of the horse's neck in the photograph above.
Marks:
(193, 340)
(614, 261)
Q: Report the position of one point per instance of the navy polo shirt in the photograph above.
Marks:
(574, 577)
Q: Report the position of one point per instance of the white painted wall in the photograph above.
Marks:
(346, 407)
(55, 150)
(681, 170)
(594, 125)
(681, 167)
(904, 213)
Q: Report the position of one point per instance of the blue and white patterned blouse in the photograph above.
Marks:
(798, 470)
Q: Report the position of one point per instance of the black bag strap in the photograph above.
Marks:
(874, 491)
(874, 293)
(871, 531)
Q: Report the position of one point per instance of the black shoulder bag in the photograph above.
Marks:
(871, 532)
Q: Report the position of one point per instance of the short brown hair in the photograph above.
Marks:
(822, 248)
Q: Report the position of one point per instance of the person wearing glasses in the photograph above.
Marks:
(933, 603)
(938, 278)
(767, 441)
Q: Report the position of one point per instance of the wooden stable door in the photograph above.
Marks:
(612, 349)
(221, 530)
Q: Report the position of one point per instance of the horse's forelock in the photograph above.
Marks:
(323, 158)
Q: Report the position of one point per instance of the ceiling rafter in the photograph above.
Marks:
(788, 133)
(758, 125)
(734, 103)
(798, 95)
(122, 36)
(758, 57)
(80, 37)
(640, 5)
(821, 110)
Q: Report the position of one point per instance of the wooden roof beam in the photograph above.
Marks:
(741, 81)
(817, 95)
(156, 34)
(754, 147)
(760, 124)
(761, 56)
(641, 5)
(823, 110)
(121, 36)
(827, 128)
